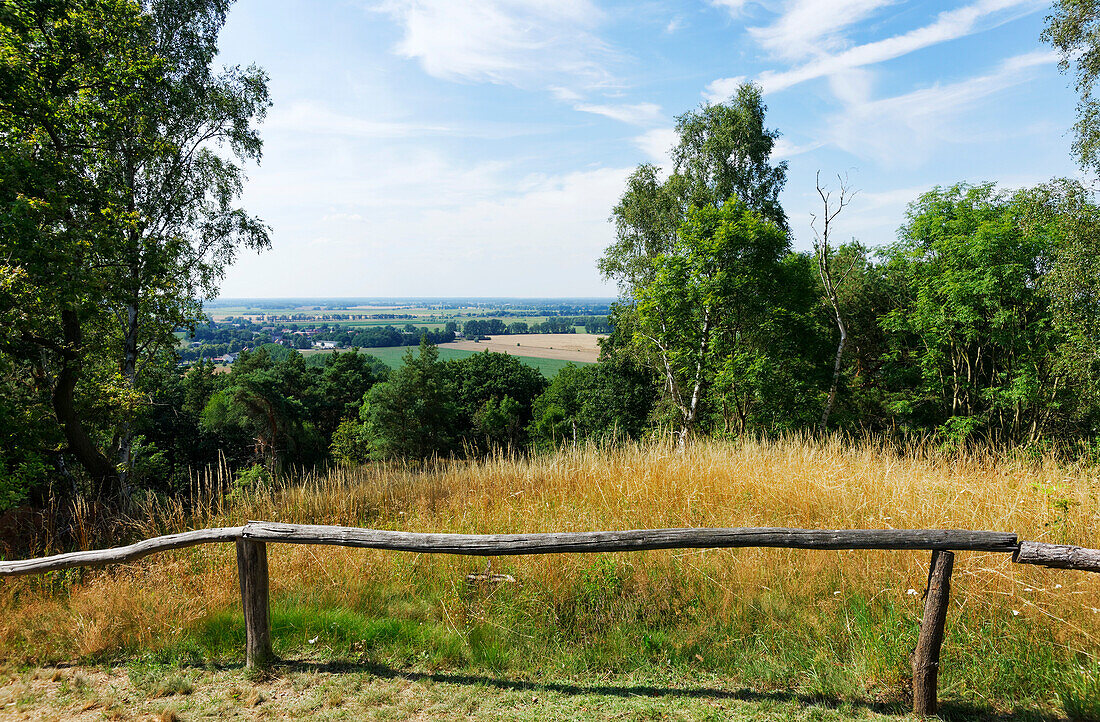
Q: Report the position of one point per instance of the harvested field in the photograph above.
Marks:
(575, 347)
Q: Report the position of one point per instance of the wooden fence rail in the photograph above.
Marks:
(251, 544)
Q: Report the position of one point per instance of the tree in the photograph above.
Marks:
(115, 201)
(480, 385)
(973, 320)
(723, 153)
(265, 398)
(676, 281)
(716, 282)
(606, 401)
(412, 415)
(1074, 30)
(1064, 212)
(831, 281)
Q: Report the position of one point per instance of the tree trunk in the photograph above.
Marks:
(64, 405)
(831, 400)
(129, 376)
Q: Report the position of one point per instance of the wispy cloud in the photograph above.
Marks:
(811, 27)
(527, 43)
(720, 90)
(948, 25)
(783, 148)
(305, 118)
(312, 118)
(658, 144)
(637, 114)
(904, 127)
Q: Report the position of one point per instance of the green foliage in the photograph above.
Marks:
(493, 393)
(608, 401)
(713, 310)
(113, 202)
(268, 401)
(412, 415)
(975, 322)
(248, 482)
(1073, 28)
(348, 443)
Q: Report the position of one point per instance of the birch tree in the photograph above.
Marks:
(723, 261)
(117, 202)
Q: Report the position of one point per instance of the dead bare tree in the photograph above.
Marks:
(831, 282)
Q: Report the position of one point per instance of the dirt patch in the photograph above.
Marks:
(578, 347)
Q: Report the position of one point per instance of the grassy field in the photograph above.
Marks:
(392, 356)
(689, 634)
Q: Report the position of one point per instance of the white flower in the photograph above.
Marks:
(1015, 612)
(314, 640)
(912, 592)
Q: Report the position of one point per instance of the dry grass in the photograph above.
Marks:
(577, 347)
(1002, 614)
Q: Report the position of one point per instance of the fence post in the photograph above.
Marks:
(926, 656)
(252, 573)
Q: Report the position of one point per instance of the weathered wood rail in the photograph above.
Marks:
(251, 544)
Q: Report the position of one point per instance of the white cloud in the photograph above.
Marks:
(676, 23)
(949, 25)
(542, 241)
(733, 6)
(903, 128)
(810, 27)
(783, 148)
(565, 94)
(720, 90)
(658, 144)
(341, 218)
(637, 114)
(852, 86)
(527, 43)
(308, 117)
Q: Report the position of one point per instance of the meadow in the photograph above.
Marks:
(392, 356)
(690, 634)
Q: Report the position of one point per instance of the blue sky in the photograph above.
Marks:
(462, 148)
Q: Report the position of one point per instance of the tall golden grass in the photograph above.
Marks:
(794, 482)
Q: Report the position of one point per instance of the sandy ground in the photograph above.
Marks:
(580, 347)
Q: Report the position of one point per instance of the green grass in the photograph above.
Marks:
(392, 356)
(314, 689)
(514, 652)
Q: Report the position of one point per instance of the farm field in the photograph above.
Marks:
(575, 347)
(421, 315)
(686, 634)
(392, 356)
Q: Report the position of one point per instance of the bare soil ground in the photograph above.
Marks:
(577, 347)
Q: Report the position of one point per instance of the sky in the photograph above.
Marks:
(476, 147)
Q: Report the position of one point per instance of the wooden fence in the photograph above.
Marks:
(251, 542)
